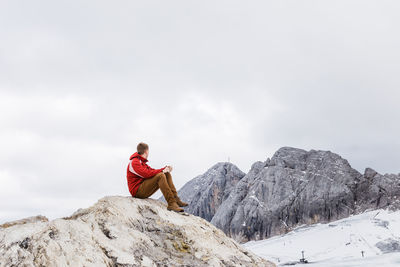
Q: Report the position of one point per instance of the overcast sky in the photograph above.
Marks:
(83, 82)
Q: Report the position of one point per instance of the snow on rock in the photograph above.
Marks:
(121, 231)
(374, 235)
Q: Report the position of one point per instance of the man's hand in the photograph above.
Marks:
(167, 169)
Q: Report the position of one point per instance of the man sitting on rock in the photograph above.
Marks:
(144, 181)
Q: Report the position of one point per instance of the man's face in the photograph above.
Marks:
(146, 153)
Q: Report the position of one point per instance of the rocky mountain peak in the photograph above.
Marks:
(370, 173)
(295, 158)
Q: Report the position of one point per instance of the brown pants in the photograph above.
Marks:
(162, 181)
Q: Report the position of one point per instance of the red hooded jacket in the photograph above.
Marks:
(137, 171)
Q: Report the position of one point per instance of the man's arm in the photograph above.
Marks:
(143, 170)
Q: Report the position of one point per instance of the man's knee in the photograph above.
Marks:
(160, 175)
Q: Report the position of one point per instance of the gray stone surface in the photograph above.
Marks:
(376, 190)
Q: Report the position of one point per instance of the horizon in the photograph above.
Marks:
(158, 193)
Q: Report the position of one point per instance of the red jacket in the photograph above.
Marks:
(137, 171)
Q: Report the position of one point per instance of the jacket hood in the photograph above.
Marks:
(136, 155)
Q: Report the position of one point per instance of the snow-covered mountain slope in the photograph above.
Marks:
(376, 234)
(121, 231)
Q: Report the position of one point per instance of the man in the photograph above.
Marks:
(144, 181)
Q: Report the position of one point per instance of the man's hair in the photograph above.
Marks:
(142, 147)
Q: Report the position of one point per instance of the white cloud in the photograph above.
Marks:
(82, 83)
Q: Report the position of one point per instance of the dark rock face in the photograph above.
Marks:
(378, 191)
(294, 187)
(206, 192)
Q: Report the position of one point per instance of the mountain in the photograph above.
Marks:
(121, 231)
(294, 187)
(369, 239)
(206, 192)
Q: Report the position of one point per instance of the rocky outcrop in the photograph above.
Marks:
(206, 192)
(297, 187)
(38, 218)
(375, 190)
(121, 231)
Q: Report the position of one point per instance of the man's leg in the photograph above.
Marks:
(147, 187)
(150, 185)
(170, 183)
(173, 189)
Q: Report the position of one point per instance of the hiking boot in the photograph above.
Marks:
(180, 202)
(173, 206)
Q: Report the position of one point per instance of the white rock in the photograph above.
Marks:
(120, 230)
